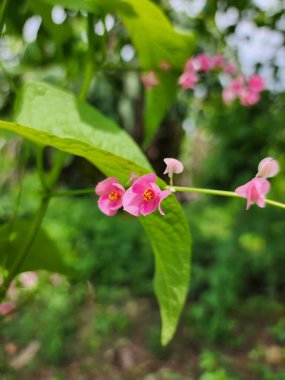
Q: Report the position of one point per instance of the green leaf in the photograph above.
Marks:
(93, 6)
(154, 36)
(43, 254)
(171, 242)
(50, 116)
(157, 41)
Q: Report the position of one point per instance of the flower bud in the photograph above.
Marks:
(267, 168)
(173, 166)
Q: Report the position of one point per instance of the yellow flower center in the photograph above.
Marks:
(148, 195)
(114, 196)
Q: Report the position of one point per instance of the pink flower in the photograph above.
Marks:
(29, 279)
(228, 95)
(267, 168)
(254, 191)
(256, 83)
(144, 196)
(218, 61)
(249, 98)
(111, 195)
(229, 68)
(149, 80)
(237, 84)
(173, 166)
(7, 307)
(188, 80)
(203, 62)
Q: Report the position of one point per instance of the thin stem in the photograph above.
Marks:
(88, 75)
(2, 14)
(274, 203)
(20, 258)
(220, 193)
(204, 191)
(89, 68)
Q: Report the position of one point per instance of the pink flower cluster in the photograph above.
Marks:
(142, 198)
(203, 63)
(248, 91)
(256, 189)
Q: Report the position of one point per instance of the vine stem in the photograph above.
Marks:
(20, 258)
(222, 193)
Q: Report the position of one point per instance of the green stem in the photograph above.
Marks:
(20, 258)
(219, 192)
(87, 79)
(2, 14)
(89, 68)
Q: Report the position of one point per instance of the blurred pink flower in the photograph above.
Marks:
(149, 80)
(111, 195)
(164, 65)
(254, 191)
(7, 307)
(228, 95)
(203, 62)
(144, 196)
(229, 68)
(248, 98)
(267, 168)
(173, 166)
(218, 61)
(29, 279)
(188, 80)
(256, 83)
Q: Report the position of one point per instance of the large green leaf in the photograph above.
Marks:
(43, 254)
(50, 116)
(156, 41)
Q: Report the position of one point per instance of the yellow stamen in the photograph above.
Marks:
(148, 195)
(114, 196)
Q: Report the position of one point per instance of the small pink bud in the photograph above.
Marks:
(149, 80)
(133, 178)
(267, 168)
(173, 166)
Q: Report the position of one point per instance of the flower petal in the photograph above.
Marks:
(162, 195)
(148, 207)
(143, 183)
(103, 187)
(132, 202)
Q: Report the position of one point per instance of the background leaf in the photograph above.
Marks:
(43, 254)
(75, 127)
